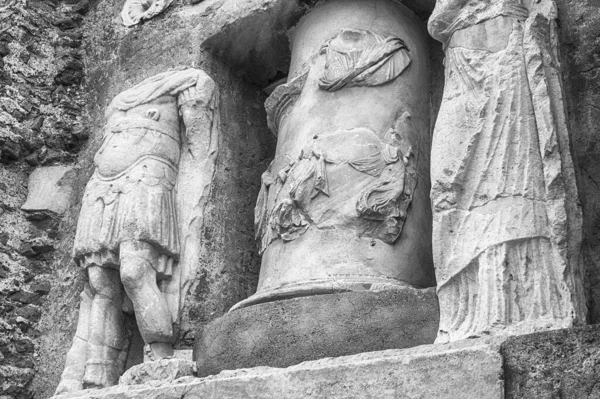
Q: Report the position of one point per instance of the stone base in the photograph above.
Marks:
(286, 332)
(467, 370)
(553, 364)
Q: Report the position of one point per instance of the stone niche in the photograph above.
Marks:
(325, 255)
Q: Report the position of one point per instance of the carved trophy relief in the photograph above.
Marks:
(387, 180)
(354, 57)
(138, 233)
(346, 168)
(504, 249)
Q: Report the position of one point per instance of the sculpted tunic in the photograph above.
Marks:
(497, 264)
(131, 195)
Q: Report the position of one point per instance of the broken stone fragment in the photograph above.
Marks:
(50, 189)
(164, 370)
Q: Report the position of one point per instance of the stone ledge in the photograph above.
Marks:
(465, 370)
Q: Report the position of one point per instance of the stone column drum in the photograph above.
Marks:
(344, 206)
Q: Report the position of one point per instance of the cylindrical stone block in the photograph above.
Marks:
(345, 204)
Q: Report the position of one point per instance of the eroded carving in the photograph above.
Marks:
(505, 207)
(358, 57)
(335, 202)
(139, 226)
(376, 208)
(282, 98)
(135, 11)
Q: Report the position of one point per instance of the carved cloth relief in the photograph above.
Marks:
(135, 11)
(498, 177)
(379, 190)
(357, 57)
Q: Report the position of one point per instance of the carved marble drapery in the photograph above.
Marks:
(505, 214)
(344, 205)
(135, 11)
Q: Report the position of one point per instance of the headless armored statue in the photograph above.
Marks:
(128, 234)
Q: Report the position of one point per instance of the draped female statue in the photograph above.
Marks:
(506, 221)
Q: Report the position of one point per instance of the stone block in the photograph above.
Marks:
(553, 364)
(183, 354)
(287, 332)
(465, 370)
(49, 189)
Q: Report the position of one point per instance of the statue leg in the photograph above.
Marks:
(107, 338)
(138, 274)
(72, 376)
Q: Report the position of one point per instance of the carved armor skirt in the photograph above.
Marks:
(135, 205)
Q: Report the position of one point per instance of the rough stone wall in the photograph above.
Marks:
(553, 364)
(580, 40)
(41, 124)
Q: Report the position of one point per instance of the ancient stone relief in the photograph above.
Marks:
(358, 57)
(138, 234)
(506, 222)
(135, 11)
(354, 57)
(344, 174)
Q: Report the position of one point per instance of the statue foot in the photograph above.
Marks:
(159, 350)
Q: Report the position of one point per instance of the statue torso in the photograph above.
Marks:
(146, 131)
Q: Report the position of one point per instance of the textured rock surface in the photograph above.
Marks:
(164, 370)
(580, 45)
(41, 124)
(555, 364)
(469, 370)
(286, 332)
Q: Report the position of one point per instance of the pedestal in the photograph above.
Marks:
(287, 332)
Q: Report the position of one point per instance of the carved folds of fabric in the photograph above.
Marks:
(134, 11)
(282, 98)
(383, 188)
(287, 203)
(357, 57)
(447, 18)
(499, 228)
